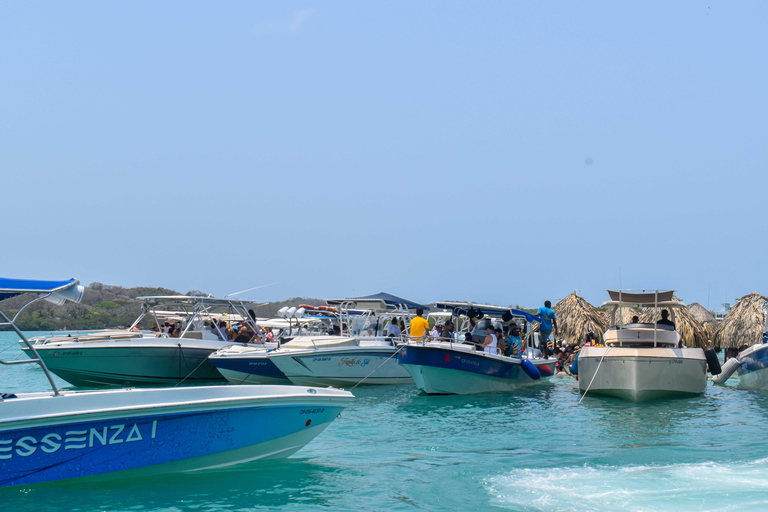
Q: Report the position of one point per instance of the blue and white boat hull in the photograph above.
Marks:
(245, 365)
(147, 431)
(753, 367)
(369, 364)
(444, 368)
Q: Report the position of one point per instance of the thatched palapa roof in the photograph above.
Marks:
(702, 314)
(705, 318)
(576, 317)
(743, 324)
(691, 331)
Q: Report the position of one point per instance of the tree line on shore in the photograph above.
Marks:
(109, 307)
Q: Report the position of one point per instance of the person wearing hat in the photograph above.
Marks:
(514, 343)
(436, 332)
(548, 319)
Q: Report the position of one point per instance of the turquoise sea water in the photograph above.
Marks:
(538, 449)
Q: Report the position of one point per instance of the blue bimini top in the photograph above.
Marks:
(13, 287)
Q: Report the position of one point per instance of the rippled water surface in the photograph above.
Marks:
(539, 449)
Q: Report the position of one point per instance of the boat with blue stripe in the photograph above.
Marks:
(448, 366)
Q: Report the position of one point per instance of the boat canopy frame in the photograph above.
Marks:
(642, 298)
(46, 290)
(195, 307)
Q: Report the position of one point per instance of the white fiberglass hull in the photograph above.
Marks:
(342, 366)
(639, 374)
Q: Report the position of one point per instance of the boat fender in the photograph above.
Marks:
(575, 365)
(530, 369)
(729, 367)
(712, 361)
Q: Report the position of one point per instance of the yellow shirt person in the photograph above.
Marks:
(419, 325)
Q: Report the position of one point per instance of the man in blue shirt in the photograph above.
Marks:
(548, 319)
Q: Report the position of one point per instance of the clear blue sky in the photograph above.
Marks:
(507, 152)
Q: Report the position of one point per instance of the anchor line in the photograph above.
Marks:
(374, 370)
(15, 358)
(181, 354)
(595, 374)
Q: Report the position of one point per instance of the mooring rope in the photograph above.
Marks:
(193, 371)
(15, 358)
(382, 364)
(608, 349)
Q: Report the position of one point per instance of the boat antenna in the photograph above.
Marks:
(248, 290)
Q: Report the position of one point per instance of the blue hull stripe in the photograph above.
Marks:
(252, 366)
(469, 362)
(89, 448)
(757, 360)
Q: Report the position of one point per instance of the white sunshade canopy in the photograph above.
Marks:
(643, 298)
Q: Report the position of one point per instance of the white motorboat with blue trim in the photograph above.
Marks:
(642, 361)
(359, 352)
(450, 367)
(249, 364)
(751, 364)
(139, 358)
(130, 432)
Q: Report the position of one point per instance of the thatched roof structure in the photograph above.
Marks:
(705, 318)
(691, 331)
(576, 317)
(702, 314)
(743, 324)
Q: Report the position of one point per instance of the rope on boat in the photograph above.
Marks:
(608, 349)
(382, 364)
(193, 371)
(15, 358)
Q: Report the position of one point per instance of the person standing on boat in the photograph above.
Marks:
(548, 320)
(419, 326)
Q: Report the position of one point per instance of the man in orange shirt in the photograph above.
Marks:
(419, 326)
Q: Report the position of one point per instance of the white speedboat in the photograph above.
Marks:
(140, 358)
(452, 367)
(642, 361)
(359, 354)
(339, 361)
(115, 433)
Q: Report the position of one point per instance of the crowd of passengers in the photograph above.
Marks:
(239, 333)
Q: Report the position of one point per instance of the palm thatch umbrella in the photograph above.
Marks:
(691, 331)
(743, 324)
(705, 318)
(576, 318)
